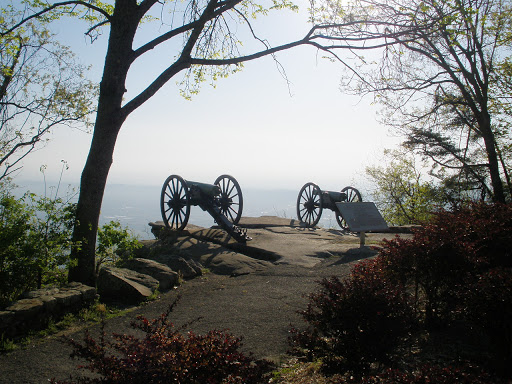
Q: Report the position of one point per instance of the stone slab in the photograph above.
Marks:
(362, 217)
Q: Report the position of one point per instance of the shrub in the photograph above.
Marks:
(35, 242)
(459, 267)
(454, 275)
(18, 269)
(426, 374)
(115, 244)
(488, 307)
(448, 255)
(431, 267)
(165, 355)
(355, 322)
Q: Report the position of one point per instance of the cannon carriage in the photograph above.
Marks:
(223, 200)
(312, 200)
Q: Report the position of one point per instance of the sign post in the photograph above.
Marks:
(362, 217)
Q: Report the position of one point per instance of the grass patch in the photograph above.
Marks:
(154, 296)
(6, 345)
(295, 372)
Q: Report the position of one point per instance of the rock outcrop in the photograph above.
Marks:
(122, 284)
(188, 269)
(167, 278)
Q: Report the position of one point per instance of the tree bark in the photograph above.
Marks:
(109, 120)
(92, 186)
(494, 169)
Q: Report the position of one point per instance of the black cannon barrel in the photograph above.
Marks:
(200, 191)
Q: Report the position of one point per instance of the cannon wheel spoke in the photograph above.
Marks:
(231, 201)
(175, 202)
(309, 204)
(353, 196)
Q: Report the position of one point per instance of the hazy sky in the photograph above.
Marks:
(253, 125)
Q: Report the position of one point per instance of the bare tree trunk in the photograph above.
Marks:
(92, 186)
(494, 169)
(109, 119)
(505, 171)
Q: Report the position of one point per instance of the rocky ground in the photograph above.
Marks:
(254, 290)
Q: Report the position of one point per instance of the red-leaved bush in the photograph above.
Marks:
(165, 355)
(354, 322)
(488, 308)
(426, 374)
(448, 254)
(454, 276)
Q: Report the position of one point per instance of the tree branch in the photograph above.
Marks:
(54, 6)
(224, 6)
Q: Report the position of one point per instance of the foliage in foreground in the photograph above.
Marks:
(346, 317)
(453, 278)
(308, 373)
(165, 355)
(35, 243)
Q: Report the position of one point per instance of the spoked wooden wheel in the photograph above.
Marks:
(309, 204)
(353, 196)
(231, 201)
(175, 202)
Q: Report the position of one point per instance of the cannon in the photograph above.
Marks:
(312, 200)
(223, 200)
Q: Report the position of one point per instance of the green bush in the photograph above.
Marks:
(35, 242)
(35, 235)
(115, 244)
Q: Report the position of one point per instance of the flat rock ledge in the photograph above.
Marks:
(275, 241)
(36, 308)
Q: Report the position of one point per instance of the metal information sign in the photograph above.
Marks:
(362, 217)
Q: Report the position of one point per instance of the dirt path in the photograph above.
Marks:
(258, 306)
